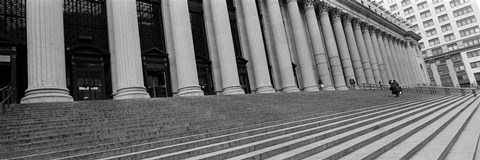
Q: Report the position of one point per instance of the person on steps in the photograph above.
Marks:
(395, 87)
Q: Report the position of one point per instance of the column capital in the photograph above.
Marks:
(307, 4)
(356, 22)
(323, 7)
(371, 29)
(364, 26)
(378, 31)
(335, 14)
(347, 18)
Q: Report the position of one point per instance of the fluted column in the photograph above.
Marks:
(367, 29)
(304, 56)
(126, 43)
(45, 53)
(367, 68)
(256, 47)
(318, 49)
(386, 61)
(183, 47)
(332, 50)
(401, 66)
(281, 47)
(406, 63)
(416, 67)
(224, 45)
(341, 44)
(378, 55)
(352, 46)
(391, 58)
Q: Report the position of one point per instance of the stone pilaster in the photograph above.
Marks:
(386, 61)
(281, 47)
(332, 50)
(396, 63)
(352, 46)
(126, 43)
(367, 68)
(415, 66)
(226, 52)
(45, 53)
(318, 49)
(303, 54)
(367, 30)
(378, 55)
(183, 47)
(257, 49)
(342, 45)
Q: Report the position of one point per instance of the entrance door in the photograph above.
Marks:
(157, 84)
(205, 78)
(89, 81)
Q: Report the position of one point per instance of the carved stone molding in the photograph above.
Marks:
(346, 18)
(335, 14)
(307, 4)
(371, 29)
(364, 26)
(322, 7)
(356, 22)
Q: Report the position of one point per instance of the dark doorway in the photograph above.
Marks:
(87, 69)
(243, 74)
(157, 73)
(13, 66)
(205, 76)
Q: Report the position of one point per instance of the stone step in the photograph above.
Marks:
(467, 143)
(438, 145)
(157, 144)
(258, 144)
(341, 145)
(388, 146)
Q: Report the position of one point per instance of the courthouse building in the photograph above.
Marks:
(64, 50)
(450, 40)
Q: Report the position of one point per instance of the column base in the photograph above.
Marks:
(46, 94)
(311, 88)
(328, 88)
(266, 89)
(341, 88)
(292, 88)
(131, 93)
(233, 90)
(190, 91)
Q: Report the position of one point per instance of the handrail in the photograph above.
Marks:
(7, 92)
(427, 89)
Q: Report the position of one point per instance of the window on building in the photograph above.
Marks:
(475, 53)
(436, 1)
(475, 64)
(406, 2)
(428, 23)
(456, 57)
(411, 19)
(422, 46)
(462, 77)
(455, 3)
(469, 31)
(452, 47)
(449, 37)
(436, 51)
(443, 18)
(422, 5)
(425, 14)
(408, 10)
(440, 8)
(431, 32)
(434, 41)
(471, 42)
(459, 68)
(462, 11)
(446, 27)
(466, 21)
(393, 7)
(415, 27)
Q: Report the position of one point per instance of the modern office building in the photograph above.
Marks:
(64, 50)
(450, 37)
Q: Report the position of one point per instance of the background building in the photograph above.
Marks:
(450, 37)
(64, 50)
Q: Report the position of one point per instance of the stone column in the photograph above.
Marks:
(169, 47)
(401, 66)
(212, 48)
(332, 50)
(226, 52)
(281, 47)
(416, 67)
(183, 47)
(352, 46)
(366, 30)
(391, 57)
(257, 49)
(126, 43)
(318, 49)
(304, 56)
(386, 61)
(46, 53)
(406, 62)
(342, 45)
(367, 68)
(378, 55)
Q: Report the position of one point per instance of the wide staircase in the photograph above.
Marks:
(361, 124)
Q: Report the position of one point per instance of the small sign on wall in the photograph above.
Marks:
(5, 58)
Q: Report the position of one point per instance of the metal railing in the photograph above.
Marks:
(7, 98)
(426, 89)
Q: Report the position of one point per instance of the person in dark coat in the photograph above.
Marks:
(395, 88)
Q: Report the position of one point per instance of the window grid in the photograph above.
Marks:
(462, 11)
(466, 21)
(440, 9)
(431, 32)
(469, 31)
(455, 3)
(425, 14)
(471, 42)
(411, 19)
(475, 53)
(449, 37)
(443, 18)
(422, 5)
(428, 23)
(434, 41)
(446, 27)
(408, 10)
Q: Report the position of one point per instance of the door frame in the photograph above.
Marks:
(155, 55)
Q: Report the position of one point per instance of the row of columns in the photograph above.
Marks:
(353, 49)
